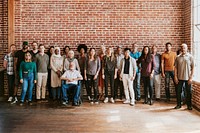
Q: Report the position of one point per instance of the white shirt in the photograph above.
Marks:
(71, 74)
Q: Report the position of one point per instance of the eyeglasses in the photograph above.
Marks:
(28, 55)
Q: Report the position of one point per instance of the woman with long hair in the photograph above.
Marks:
(91, 73)
(109, 72)
(147, 72)
(28, 76)
(101, 80)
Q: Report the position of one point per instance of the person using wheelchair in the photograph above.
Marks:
(71, 78)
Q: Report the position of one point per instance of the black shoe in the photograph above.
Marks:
(157, 99)
(30, 103)
(21, 103)
(75, 104)
(177, 107)
(189, 108)
(151, 102)
(145, 101)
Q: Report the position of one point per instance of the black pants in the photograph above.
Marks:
(188, 92)
(91, 83)
(118, 85)
(109, 75)
(49, 84)
(169, 74)
(11, 84)
(148, 87)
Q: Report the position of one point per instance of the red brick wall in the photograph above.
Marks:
(3, 29)
(96, 22)
(196, 95)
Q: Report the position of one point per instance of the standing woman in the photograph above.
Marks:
(66, 51)
(28, 76)
(92, 68)
(147, 72)
(109, 72)
(50, 53)
(56, 63)
(82, 49)
(101, 80)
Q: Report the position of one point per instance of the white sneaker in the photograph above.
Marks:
(126, 102)
(132, 103)
(15, 101)
(112, 100)
(10, 99)
(105, 100)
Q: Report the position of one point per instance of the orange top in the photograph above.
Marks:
(169, 59)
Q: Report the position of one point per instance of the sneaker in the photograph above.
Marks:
(132, 103)
(96, 102)
(91, 102)
(30, 103)
(15, 100)
(112, 100)
(126, 102)
(64, 103)
(21, 103)
(105, 100)
(10, 99)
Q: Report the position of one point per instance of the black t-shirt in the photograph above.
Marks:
(126, 66)
(20, 55)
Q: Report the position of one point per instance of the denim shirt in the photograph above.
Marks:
(136, 56)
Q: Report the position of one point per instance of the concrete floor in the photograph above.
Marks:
(104, 118)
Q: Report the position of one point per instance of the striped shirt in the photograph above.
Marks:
(10, 63)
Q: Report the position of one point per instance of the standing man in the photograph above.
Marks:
(34, 50)
(42, 61)
(118, 82)
(128, 71)
(19, 57)
(167, 65)
(9, 66)
(157, 72)
(184, 70)
(136, 55)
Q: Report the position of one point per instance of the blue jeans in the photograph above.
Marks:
(28, 83)
(136, 85)
(76, 91)
(169, 74)
(55, 92)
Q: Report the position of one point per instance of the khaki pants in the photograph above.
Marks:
(128, 87)
(41, 84)
(157, 84)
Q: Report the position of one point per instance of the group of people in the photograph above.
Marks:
(107, 75)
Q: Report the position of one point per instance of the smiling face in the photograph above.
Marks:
(57, 51)
(41, 48)
(92, 52)
(35, 46)
(184, 48)
(28, 56)
(168, 47)
(146, 50)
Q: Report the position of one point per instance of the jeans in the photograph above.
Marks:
(11, 85)
(56, 92)
(148, 87)
(76, 92)
(118, 85)
(169, 74)
(109, 75)
(137, 85)
(188, 92)
(92, 84)
(28, 83)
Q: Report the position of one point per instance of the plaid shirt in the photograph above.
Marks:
(10, 65)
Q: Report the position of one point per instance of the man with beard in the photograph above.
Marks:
(18, 58)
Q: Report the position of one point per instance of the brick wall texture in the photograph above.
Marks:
(97, 22)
